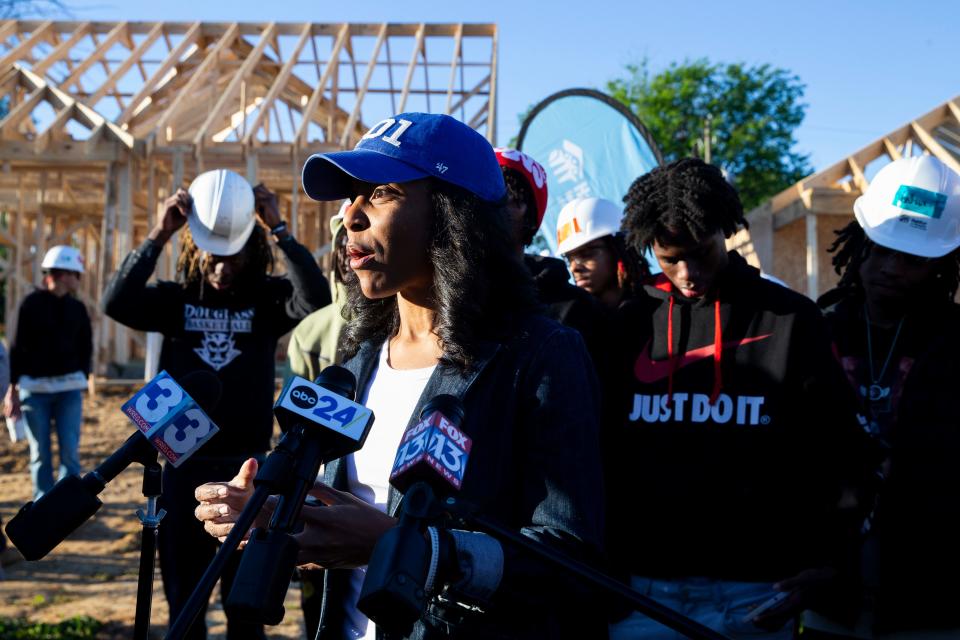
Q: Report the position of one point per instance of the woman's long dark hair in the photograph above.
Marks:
(479, 284)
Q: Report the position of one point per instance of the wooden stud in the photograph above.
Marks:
(278, 85)
(120, 71)
(813, 257)
(23, 49)
(457, 57)
(115, 34)
(858, 178)
(891, 149)
(355, 114)
(62, 50)
(249, 63)
(20, 112)
(417, 49)
(189, 39)
(934, 147)
(331, 68)
(492, 97)
(211, 57)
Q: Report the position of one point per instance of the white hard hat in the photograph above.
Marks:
(913, 206)
(63, 257)
(585, 219)
(222, 216)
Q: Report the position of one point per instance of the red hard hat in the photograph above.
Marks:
(531, 170)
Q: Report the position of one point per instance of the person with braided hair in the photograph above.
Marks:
(225, 315)
(894, 322)
(741, 436)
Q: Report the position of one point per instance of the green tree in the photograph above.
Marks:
(741, 118)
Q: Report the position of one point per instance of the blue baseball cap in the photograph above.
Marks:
(406, 147)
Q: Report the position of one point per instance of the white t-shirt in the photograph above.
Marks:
(392, 395)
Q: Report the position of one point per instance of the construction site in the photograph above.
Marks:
(104, 120)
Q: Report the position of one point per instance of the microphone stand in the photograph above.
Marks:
(272, 478)
(149, 521)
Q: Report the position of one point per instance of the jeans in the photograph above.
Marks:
(718, 604)
(43, 412)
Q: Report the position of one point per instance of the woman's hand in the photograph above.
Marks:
(342, 534)
(222, 502)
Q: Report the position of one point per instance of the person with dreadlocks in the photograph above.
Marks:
(225, 315)
(894, 323)
(741, 434)
(589, 238)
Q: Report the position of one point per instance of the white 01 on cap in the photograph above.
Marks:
(221, 219)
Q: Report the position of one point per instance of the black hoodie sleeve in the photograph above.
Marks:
(85, 342)
(19, 349)
(305, 289)
(842, 457)
(129, 300)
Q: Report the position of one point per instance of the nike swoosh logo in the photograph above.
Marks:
(648, 370)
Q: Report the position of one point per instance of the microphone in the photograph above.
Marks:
(432, 459)
(434, 450)
(322, 423)
(171, 420)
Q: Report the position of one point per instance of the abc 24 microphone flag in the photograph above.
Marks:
(170, 419)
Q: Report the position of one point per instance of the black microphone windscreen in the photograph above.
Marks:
(450, 406)
(339, 380)
(204, 387)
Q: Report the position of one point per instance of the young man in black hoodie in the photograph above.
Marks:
(741, 435)
(224, 315)
(894, 323)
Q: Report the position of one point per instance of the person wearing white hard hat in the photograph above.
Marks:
(49, 363)
(588, 236)
(895, 323)
(224, 314)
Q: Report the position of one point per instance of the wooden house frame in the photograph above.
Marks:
(105, 119)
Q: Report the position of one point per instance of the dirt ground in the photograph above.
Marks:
(94, 571)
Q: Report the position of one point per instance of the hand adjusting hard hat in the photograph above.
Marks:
(913, 206)
(64, 258)
(583, 220)
(221, 219)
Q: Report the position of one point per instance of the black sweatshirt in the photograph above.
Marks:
(731, 466)
(233, 334)
(913, 557)
(53, 337)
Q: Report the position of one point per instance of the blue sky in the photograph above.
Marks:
(869, 65)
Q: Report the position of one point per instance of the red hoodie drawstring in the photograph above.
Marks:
(717, 352)
(673, 361)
